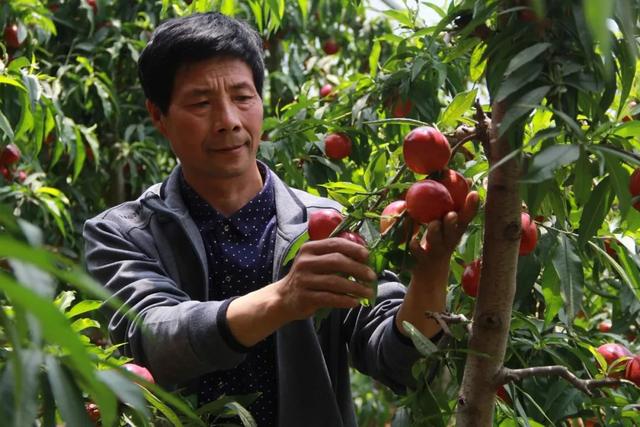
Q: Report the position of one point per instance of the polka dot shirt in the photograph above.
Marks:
(240, 257)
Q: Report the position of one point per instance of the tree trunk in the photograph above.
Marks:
(490, 328)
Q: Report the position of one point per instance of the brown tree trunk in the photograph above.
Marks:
(490, 328)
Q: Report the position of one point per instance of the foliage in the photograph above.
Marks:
(70, 100)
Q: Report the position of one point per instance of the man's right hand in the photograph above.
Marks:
(319, 277)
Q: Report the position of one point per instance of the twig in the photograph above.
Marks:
(586, 386)
(445, 319)
(461, 135)
(482, 128)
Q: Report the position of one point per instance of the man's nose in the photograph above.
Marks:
(226, 117)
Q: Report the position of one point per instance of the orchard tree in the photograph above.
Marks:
(531, 103)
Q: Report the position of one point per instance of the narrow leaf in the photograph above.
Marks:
(526, 56)
(460, 105)
(569, 268)
(547, 161)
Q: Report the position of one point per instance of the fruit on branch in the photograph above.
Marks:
(326, 90)
(390, 215)
(612, 352)
(529, 237)
(528, 15)
(609, 250)
(604, 326)
(401, 108)
(471, 278)
(634, 187)
(93, 411)
(428, 200)
(9, 155)
(11, 38)
(330, 46)
(6, 173)
(337, 146)
(140, 371)
(632, 371)
(458, 187)
(352, 236)
(323, 222)
(502, 394)
(426, 150)
(93, 5)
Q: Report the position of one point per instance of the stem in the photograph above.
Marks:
(586, 386)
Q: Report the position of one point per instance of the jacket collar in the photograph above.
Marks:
(166, 200)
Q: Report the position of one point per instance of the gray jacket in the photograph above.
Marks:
(150, 255)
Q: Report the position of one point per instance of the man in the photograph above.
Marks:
(199, 258)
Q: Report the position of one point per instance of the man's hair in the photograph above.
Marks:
(191, 39)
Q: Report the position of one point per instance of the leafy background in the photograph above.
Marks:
(70, 100)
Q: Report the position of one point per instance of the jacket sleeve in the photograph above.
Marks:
(161, 327)
(376, 346)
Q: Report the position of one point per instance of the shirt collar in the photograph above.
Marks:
(247, 220)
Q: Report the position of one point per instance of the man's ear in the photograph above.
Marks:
(156, 115)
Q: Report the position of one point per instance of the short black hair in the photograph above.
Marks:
(194, 38)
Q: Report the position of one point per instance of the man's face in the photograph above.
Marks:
(214, 119)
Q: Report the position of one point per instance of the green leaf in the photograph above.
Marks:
(375, 174)
(525, 56)
(163, 408)
(522, 107)
(374, 58)
(422, 343)
(67, 395)
(5, 126)
(568, 265)
(518, 80)
(550, 283)
(460, 105)
(127, 391)
(630, 129)
(477, 65)
(546, 162)
(620, 183)
(295, 247)
(345, 187)
(595, 211)
(245, 416)
(82, 307)
(583, 180)
(596, 15)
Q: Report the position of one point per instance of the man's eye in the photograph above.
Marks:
(200, 104)
(244, 98)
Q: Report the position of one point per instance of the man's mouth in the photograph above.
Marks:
(228, 149)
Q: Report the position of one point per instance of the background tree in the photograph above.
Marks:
(554, 134)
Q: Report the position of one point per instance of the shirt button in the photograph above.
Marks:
(227, 279)
(226, 227)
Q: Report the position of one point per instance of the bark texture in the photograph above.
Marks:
(490, 327)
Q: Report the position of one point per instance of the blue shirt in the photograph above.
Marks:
(240, 257)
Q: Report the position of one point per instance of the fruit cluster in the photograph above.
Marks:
(624, 363)
(9, 157)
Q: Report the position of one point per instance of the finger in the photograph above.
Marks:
(336, 262)
(434, 233)
(328, 299)
(450, 229)
(337, 244)
(470, 208)
(339, 285)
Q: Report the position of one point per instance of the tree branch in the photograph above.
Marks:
(586, 386)
(445, 319)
